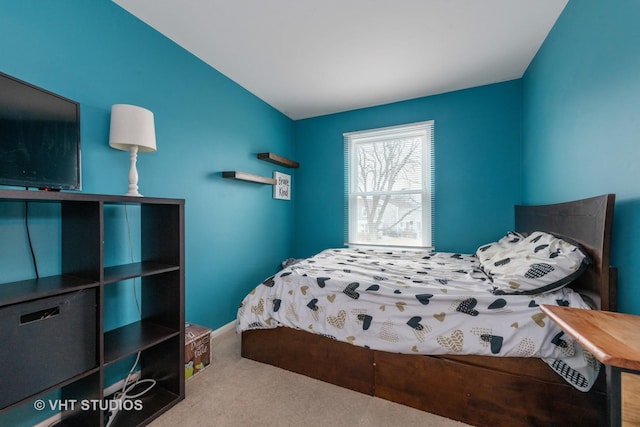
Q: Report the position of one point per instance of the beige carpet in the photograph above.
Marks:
(234, 391)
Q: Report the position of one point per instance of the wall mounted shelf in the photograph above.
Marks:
(243, 176)
(278, 160)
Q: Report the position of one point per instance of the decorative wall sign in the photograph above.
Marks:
(282, 188)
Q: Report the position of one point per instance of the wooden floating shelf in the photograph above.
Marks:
(278, 160)
(243, 176)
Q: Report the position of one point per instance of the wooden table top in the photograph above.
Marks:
(613, 338)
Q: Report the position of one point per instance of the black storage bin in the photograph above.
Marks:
(45, 342)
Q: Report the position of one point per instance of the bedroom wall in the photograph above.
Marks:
(477, 161)
(98, 54)
(581, 122)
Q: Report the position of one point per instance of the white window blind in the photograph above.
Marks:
(389, 186)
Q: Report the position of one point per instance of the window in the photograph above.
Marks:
(389, 186)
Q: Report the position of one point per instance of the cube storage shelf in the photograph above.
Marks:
(159, 335)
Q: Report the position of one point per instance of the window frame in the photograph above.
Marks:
(426, 131)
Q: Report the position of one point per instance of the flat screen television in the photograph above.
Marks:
(39, 137)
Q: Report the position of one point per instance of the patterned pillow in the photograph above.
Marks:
(539, 263)
(486, 252)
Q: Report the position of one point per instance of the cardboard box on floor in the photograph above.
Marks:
(197, 349)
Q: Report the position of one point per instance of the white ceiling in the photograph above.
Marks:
(308, 58)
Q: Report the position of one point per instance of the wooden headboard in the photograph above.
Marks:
(587, 222)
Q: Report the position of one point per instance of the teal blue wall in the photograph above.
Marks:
(581, 122)
(477, 152)
(97, 54)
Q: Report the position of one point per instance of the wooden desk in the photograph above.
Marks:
(614, 339)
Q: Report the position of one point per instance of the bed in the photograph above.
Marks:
(478, 389)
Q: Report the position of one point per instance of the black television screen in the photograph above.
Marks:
(39, 137)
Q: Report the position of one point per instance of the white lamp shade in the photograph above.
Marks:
(132, 126)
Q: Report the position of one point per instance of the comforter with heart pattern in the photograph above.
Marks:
(416, 303)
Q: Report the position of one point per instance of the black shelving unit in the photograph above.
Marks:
(158, 335)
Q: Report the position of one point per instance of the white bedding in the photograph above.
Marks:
(416, 302)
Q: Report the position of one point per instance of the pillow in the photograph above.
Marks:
(486, 252)
(539, 263)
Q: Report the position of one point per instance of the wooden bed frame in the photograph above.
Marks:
(478, 390)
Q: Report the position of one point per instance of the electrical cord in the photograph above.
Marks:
(135, 294)
(26, 224)
(126, 388)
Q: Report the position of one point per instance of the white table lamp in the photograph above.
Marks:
(132, 130)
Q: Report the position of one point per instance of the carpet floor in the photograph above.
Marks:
(233, 391)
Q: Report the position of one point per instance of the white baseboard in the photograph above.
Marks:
(223, 329)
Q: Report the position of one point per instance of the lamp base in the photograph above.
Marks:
(133, 173)
(133, 193)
